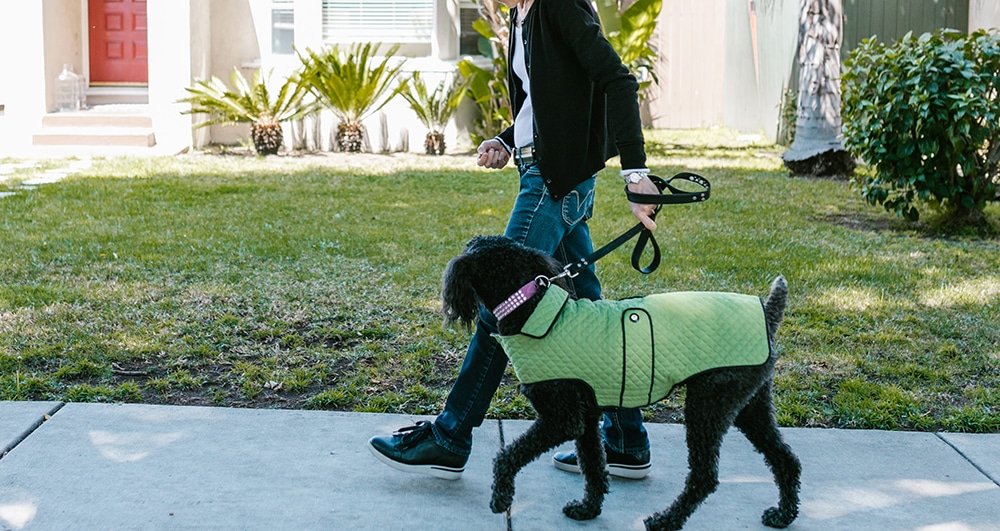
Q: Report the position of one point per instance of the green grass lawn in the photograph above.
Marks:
(312, 282)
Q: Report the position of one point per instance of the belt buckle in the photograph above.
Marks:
(523, 158)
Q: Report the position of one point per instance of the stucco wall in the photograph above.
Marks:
(170, 65)
(201, 57)
(22, 87)
(234, 42)
(63, 24)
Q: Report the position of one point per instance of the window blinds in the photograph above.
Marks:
(389, 21)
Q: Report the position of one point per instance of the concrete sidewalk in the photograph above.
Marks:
(99, 466)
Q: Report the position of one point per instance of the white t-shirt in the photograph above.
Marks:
(524, 130)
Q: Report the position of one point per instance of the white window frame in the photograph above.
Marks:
(276, 6)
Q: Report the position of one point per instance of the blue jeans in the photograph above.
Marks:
(560, 229)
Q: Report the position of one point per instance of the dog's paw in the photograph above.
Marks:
(775, 517)
(500, 503)
(579, 510)
(661, 522)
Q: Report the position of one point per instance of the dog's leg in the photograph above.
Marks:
(590, 455)
(539, 438)
(555, 425)
(758, 423)
(706, 418)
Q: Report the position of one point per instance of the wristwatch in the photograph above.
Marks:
(633, 177)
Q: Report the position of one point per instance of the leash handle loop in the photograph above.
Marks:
(676, 196)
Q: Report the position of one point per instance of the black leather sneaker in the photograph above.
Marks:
(619, 465)
(413, 449)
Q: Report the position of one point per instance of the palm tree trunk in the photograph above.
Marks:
(817, 148)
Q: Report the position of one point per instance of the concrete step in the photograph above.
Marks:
(96, 118)
(95, 136)
(117, 95)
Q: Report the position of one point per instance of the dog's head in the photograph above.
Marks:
(489, 271)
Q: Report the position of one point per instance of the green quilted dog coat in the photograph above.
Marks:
(633, 352)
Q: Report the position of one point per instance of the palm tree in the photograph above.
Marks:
(249, 103)
(352, 84)
(434, 109)
(817, 148)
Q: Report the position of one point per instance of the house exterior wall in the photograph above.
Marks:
(201, 60)
(235, 40)
(63, 21)
(172, 51)
(46, 35)
(22, 88)
(240, 36)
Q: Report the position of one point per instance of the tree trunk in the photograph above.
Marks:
(817, 148)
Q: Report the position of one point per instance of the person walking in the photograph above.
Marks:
(575, 106)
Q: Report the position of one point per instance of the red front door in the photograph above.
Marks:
(118, 42)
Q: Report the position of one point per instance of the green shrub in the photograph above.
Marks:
(923, 113)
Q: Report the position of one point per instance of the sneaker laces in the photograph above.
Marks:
(410, 436)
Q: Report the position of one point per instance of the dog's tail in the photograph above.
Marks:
(774, 306)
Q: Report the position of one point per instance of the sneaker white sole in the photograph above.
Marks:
(437, 471)
(616, 470)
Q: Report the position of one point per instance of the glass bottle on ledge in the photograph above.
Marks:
(67, 90)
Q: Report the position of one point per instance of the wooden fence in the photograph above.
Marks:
(889, 20)
(728, 62)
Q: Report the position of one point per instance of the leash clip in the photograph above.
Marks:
(571, 270)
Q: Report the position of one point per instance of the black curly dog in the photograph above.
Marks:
(494, 267)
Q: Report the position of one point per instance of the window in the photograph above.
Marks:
(390, 21)
(468, 39)
(282, 27)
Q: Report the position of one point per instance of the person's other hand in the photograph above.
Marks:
(492, 154)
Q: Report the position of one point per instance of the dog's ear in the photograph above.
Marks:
(459, 301)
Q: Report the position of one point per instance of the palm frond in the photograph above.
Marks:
(246, 102)
(351, 82)
(435, 109)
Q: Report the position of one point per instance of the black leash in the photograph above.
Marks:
(676, 196)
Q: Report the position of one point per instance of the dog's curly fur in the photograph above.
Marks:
(494, 267)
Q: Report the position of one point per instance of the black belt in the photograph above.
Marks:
(524, 155)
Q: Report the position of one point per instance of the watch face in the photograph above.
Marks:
(633, 178)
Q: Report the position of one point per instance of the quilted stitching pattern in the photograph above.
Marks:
(634, 351)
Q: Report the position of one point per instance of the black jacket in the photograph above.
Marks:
(585, 101)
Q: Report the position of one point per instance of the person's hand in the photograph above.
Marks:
(492, 154)
(642, 211)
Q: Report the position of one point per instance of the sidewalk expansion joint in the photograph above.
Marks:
(27, 433)
(996, 481)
